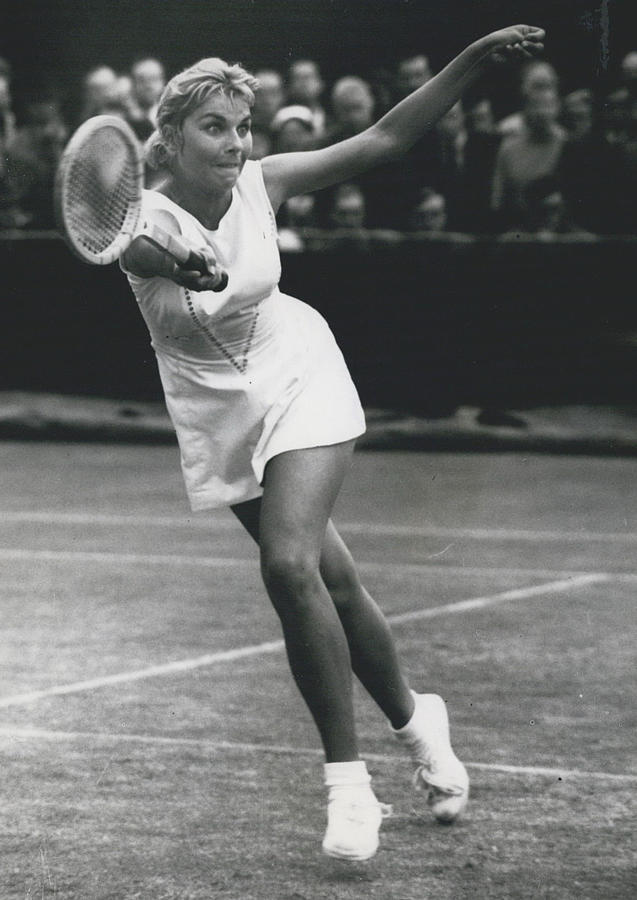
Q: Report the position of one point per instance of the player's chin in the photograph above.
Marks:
(228, 172)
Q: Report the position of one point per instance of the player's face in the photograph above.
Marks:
(216, 143)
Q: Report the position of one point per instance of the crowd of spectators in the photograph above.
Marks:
(560, 163)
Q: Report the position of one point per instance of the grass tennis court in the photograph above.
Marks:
(153, 745)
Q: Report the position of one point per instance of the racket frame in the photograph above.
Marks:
(61, 187)
(131, 228)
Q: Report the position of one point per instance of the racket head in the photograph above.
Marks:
(98, 189)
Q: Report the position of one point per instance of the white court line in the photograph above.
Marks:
(99, 556)
(184, 665)
(214, 523)
(187, 665)
(30, 734)
(552, 587)
(221, 562)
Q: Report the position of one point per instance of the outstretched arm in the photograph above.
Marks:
(289, 174)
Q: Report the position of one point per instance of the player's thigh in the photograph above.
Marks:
(337, 567)
(299, 492)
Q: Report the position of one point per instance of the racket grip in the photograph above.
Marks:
(196, 262)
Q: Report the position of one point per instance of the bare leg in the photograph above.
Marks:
(300, 488)
(372, 648)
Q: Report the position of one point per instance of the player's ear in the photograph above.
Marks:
(172, 138)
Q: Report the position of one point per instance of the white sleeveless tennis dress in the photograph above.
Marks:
(248, 372)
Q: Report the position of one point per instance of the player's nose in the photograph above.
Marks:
(234, 140)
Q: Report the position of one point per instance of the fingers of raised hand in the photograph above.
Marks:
(518, 43)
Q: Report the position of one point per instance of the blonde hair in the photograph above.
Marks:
(185, 92)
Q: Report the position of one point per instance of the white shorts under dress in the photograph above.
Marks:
(248, 372)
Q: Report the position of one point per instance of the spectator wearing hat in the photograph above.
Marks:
(293, 129)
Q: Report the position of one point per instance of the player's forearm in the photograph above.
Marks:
(417, 113)
(146, 260)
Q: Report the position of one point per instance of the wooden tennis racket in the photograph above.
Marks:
(98, 198)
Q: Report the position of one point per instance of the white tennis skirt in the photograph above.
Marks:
(272, 379)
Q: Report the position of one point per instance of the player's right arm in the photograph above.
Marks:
(146, 259)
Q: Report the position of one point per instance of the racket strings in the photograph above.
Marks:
(101, 190)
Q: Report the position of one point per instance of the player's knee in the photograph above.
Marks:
(290, 573)
(342, 581)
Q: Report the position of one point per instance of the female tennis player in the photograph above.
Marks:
(266, 413)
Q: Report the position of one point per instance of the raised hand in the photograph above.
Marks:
(517, 42)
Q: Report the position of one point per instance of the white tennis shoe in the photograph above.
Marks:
(439, 773)
(353, 823)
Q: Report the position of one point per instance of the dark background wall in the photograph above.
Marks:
(61, 39)
(471, 323)
(424, 326)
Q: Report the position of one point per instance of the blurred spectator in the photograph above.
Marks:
(269, 98)
(627, 92)
(32, 159)
(305, 88)
(430, 213)
(352, 104)
(577, 113)
(538, 78)
(391, 189)
(7, 118)
(348, 207)
(10, 214)
(293, 129)
(99, 87)
(480, 152)
(545, 212)
(599, 171)
(411, 73)
(295, 214)
(451, 134)
(381, 83)
(148, 79)
(525, 157)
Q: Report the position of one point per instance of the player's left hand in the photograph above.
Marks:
(517, 42)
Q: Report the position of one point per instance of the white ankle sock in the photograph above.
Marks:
(347, 774)
(411, 727)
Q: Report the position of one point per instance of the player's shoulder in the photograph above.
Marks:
(158, 209)
(154, 199)
(251, 172)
